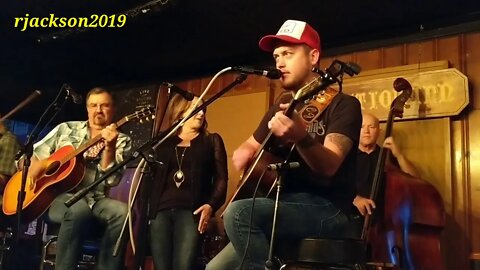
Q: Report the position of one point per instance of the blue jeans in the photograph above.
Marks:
(299, 215)
(226, 259)
(174, 239)
(74, 225)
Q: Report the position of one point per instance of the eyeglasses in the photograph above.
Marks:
(102, 105)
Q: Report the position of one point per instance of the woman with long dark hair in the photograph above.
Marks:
(188, 188)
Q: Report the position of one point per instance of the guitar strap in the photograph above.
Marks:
(316, 106)
(94, 150)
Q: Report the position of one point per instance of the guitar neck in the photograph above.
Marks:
(80, 150)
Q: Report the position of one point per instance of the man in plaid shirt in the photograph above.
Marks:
(8, 149)
(99, 158)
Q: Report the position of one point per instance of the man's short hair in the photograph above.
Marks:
(100, 90)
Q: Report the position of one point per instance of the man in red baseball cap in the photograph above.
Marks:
(316, 198)
(294, 32)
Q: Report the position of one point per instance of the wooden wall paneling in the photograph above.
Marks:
(235, 118)
(221, 82)
(327, 60)
(393, 56)
(161, 104)
(457, 230)
(473, 182)
(193, 85)
(252, 84)
(371, 59)
(450, 48)
(419, 52)
(472, 66)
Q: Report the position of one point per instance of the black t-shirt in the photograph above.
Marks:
(342, 116)
(365, 174)
(366, 165)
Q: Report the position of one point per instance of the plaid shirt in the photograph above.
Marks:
(8, 149)
(75, 133)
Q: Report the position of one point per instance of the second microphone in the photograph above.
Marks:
(184, 93)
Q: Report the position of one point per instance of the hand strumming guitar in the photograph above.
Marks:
(36, 169)
(244, 153)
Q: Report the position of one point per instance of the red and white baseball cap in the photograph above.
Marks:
(292, 31)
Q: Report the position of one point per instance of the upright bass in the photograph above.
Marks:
(407, 233)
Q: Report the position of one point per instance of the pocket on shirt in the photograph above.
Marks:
(65, 140)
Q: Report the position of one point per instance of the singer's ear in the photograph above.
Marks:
(314, 57)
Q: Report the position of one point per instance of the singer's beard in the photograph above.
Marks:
(291, 86)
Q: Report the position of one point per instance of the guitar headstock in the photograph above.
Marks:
(309, 90)
(144, 114)
(330, 76)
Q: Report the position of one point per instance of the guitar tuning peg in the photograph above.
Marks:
(153, 116)
(141, 121)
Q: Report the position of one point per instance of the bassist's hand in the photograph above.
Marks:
(365, 206)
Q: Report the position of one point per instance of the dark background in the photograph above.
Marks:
(179, 39)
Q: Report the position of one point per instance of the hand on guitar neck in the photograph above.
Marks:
(109, 135)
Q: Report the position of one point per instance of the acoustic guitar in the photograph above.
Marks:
(63, 171)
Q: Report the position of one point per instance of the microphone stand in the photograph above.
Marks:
(22, 104)
(27, 150)
(148, 176)
(147, 147)
(269, 262)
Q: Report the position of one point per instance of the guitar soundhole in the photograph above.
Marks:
(52, 168)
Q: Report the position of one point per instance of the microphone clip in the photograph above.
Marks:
(76, 98)
(283, 166)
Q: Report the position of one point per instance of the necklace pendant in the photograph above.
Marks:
(178, 177)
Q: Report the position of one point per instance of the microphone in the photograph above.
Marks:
(184, 93)
(35, 94)
(271, 73)
(76, 98)
(283, 166)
